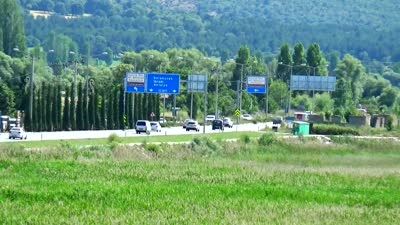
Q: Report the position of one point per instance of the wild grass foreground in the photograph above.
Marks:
(251, 181)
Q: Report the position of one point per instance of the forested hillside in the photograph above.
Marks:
(366, 29)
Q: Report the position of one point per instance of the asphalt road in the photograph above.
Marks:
(69, 135)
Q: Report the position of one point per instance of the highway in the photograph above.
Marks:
(69, 135)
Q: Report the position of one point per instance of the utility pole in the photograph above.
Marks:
(266, 98)
(191, 105)
(205, 107)
(290, 88)
(241, 90)
(216, 98)
(31, 89)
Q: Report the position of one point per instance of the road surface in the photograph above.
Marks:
(69, 135)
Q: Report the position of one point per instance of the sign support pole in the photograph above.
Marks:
(266, 99)
(163, 113)
(205, 108)
(191, 105)
(133, 111)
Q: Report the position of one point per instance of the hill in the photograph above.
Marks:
(367, 29)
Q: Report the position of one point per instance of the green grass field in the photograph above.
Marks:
(127, 140)
(206, 182)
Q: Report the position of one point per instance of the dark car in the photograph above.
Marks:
(217, 125)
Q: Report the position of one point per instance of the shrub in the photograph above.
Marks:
(389, 123)
(245, 139)
(267, 139)
(333, 130)
(114, 138)
(205, 146)
(153, 148)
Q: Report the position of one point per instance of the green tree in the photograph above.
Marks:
(350, 73)
(103, 113)
(66, 114)
(323, 103)
(388, 97)
(7, 100)
(299, 59)
(110, 111)
(316, 60)
(284, 62)
(49, 107)
(278, 95)
(72, 112)
(11, 27)
(80, 109)
(242, 62)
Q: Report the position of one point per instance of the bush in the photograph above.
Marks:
(267, 139)
(333, 130)
(389, 123)
(153, 148)
(114, 138)
(205, 146)
(245, 139)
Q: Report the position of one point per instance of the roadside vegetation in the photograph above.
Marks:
(254, 180)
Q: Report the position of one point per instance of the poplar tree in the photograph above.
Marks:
(284, 64)
(49, 107)
(73, 107)
(80, 108)
(110, 111)
(299, 60)
(66, 114)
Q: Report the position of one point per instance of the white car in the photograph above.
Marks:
(193, 125)
(143, 126)
(210, 118)
(247, 117)
(155, 126)
(185, 123)
(17, 132)
(228, 122)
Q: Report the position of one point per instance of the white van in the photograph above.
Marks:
(143, 126)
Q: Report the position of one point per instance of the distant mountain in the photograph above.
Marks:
(367, 29)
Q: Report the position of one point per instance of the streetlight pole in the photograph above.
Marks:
(31, 90)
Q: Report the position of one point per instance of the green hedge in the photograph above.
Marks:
(334, 130)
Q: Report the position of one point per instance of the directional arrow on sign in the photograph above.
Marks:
(151, 90)
(174, 91)
(135, 88)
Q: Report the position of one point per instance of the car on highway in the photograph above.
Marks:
(17, 132)
(217, 125)
(228, 122)
(155, 126)
(143, 126)
(210, 118)
(247, 117)
(185, 123)
(193, 125)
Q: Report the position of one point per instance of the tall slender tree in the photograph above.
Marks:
(284, 64)
(12, 32)
(80, 109)
(299, 59)
(103, 113)
(242, 62)
(49, 107)
(73, 107)
(67, 111)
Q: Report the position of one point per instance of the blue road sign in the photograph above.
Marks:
(135, 82)
(256, 90)
(163, 83)
(256, 85)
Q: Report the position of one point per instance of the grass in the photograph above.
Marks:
(127, 140)
(207, 182)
